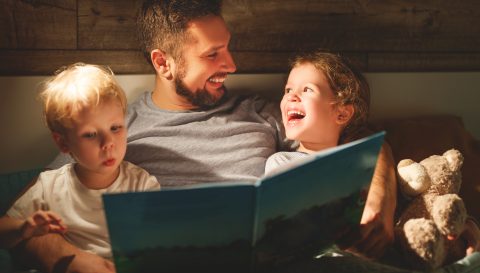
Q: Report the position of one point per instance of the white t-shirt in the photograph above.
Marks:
(80, 208)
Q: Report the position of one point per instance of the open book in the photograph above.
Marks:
(244, 227)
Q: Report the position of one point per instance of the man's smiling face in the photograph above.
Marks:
(205, 62)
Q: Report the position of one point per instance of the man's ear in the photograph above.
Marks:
(344, 113)
(161, 63)
(61, 142)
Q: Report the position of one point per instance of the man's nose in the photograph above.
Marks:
(229, 63)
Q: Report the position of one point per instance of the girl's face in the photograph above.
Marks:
(308, 109)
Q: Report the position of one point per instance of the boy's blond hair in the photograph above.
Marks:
(75, 87)
(349, 87)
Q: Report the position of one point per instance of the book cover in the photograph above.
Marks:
(244, 227)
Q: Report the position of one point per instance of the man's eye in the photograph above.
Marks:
(89, 135)
(212, 55)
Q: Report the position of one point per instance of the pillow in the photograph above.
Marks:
(14, 184)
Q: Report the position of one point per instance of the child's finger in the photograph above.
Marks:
(56, 222)
(52, 215)
(40, 217)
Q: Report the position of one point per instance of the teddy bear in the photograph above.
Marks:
(434, 216)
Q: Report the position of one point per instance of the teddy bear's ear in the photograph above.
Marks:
(454, 159)
(412, 177)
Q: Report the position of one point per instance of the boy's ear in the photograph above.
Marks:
(344, 114)
(161, 63)
(61, 142)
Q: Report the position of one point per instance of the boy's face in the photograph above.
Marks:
(308, 108)
(97, 140)
(207, 61)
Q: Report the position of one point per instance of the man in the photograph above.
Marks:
(188, 130)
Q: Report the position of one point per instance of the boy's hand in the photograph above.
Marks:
(41, 223)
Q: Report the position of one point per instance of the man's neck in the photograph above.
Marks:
(166, 98)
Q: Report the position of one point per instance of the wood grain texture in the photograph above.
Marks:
(38, 24)
(390, 35)
(46, 62)
(104, 24)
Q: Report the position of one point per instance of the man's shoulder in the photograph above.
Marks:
(140, 101)
(255, 102)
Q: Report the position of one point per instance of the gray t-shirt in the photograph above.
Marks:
(228, 143)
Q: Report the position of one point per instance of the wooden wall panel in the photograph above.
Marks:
(104, 24)
(426, 26)
(38, 24)
(45, 62)
(389, 35)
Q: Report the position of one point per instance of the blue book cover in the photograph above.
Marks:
(244, 227)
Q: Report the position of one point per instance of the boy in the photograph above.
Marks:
(84, 109)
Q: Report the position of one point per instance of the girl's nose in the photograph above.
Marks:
(292, 96)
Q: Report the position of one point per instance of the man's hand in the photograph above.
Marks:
(376, 225)
(375, 234)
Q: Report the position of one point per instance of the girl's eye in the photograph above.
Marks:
(288, 90)
(89, 135)
(307, 89)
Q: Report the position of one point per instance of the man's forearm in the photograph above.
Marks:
(383, 189)
(10, 231)
(49, 253)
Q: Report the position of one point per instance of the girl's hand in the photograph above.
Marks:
(41, 223)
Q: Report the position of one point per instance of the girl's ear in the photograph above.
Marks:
(161, 63)
(344, 114)
(61, 142)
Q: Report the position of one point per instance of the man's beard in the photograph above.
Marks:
(201, 98)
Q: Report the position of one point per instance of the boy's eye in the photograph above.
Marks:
(89, 135)
(116, 128)
(288, 90)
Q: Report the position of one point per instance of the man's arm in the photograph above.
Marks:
(52, 253)
(376, 230)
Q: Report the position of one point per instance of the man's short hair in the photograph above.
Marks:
(75, 87)
(162, 24)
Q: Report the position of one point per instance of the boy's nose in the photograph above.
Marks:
(107, 142)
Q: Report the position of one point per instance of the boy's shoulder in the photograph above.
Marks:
(52, 174)
(137, 176)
